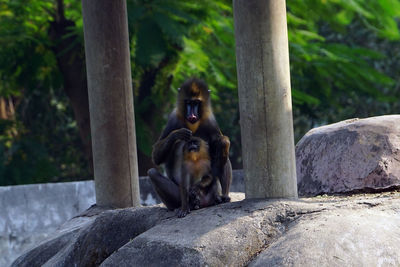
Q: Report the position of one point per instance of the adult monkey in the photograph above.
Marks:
(192, 116)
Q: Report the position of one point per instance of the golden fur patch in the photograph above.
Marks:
(195, 90)
(198, 162)
(193, 126)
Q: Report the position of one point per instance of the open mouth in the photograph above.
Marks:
(192, 119)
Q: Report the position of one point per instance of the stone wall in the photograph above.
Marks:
(29, 213)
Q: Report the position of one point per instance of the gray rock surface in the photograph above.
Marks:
(224, 235)
(349, 156)
(91, 237)
(360, 230)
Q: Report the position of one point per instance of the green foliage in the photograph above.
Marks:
(159, 26)
(344, 58)
(40, 141)
(169, 40)
(334, 58)
(26, 158)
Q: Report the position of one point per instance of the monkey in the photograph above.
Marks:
(192, 116)
(198, 189)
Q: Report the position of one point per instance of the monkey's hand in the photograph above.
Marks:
(225, 199)
(218, 199)
(182, 212)
(163, 147)
(181, 134)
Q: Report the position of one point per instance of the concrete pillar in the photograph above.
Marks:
(111, 102)
(266, 121)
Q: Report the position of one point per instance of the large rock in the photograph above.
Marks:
(339, 237)
(91, 237)
(350, 156)
(225, 235)
(339, 231)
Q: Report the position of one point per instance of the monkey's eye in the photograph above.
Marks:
(192, 102)
(193, 143)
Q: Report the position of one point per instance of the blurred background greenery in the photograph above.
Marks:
(344, 55)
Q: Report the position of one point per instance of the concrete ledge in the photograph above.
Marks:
(30, 212)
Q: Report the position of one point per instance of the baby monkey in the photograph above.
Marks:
(198, 188)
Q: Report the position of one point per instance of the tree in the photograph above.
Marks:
(171, 41)
(337, 55)
(334, 77)
(41, 61)
(159, 32)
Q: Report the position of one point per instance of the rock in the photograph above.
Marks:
(338, 238)
(92, 236)
(350, 156)
(225, 235)
(343, 229)
(358, 230)
(68, 232)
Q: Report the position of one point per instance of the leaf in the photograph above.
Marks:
(294, 20)
(345, 16)
(170, 28)
(308, 35)
(151, 46)
(390, 7)
(354, 5)
(301, 98)
(135, 13)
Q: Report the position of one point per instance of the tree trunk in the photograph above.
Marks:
(70, 61)
(265, 99)
(111, 103)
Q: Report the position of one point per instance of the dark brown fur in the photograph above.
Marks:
(195, 189)
(168, 150)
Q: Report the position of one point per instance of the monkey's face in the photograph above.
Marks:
(193, 145)
(192, 110)
(193, 101)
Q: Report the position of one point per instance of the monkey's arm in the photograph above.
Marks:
(219, 146)
(172, 132)
(221, 165)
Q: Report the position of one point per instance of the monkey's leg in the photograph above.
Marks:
(226, 177)
(166, 189)
(205, 196)
(205, 193)
(184, 192)
(209, 196)
(226, 180)
(194, 198)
